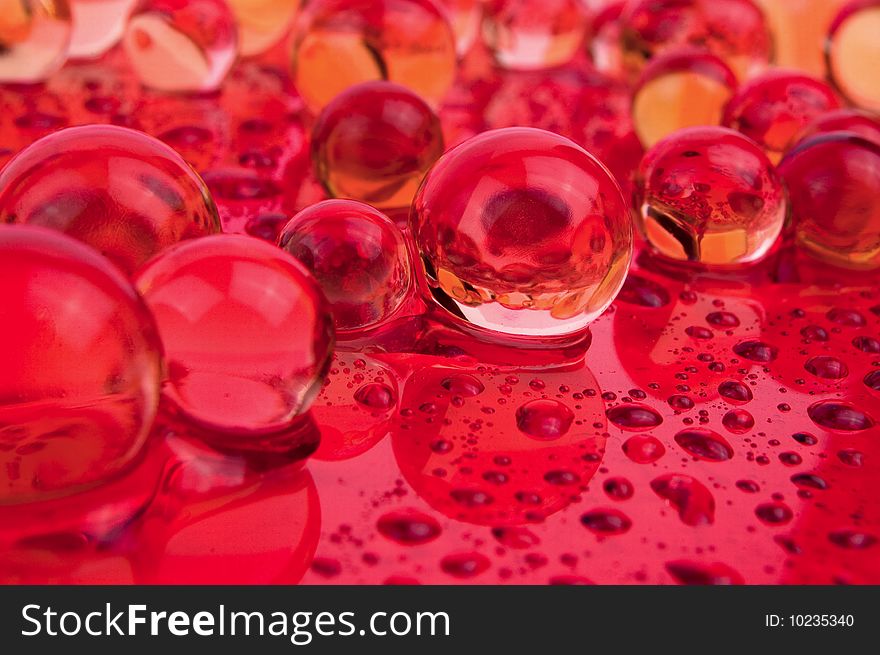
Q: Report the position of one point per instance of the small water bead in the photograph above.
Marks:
(735, 391)
(408, 527)
(375, 395)
(790, 458)
(247, 333)
(176, 45)
(463, 385)
(850, 50)
(97, 26)
(738, 421)
(374, 142)
(340, 43)
(833, 180)
(872, 380)
(544, 419)
(722, 319)
(515, 537)
(618, 488)
(695, 573)
(643, 449)
(699, 332)
(773, 108)
(34, 37)
(748, 486)
(262, 23)
(79, 385)
(678, 89)
(704, 444)
(809, 481)
(846, 317)
(839, 416)
(680, 402)
(643, 292)
(606, 522)
(851, 457)
(775, 513)
(122, 192)
(860, 122)
(465, 565)
(508, 247)
(690, 497)
(826, 367)
(866, 345)
(734, 30)
(358, 256)
(814, 333)
(756, 351)
(709, 195)
(634, 417)
(852, 539)
(533, 34)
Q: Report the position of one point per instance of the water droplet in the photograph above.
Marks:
(463, 385)
(814, 333)
(756, 351)
(704, 444)
(544, 419)
(735, 391)
(694, 502)
(699, 332)
(408, 527)
(872, 380)
(606, 521)
(738, 421)
(375, 395)
(618, 488)
(749, 486)
(515, 537)
(643, 292)
(693, 573)
(826, 367)
(680, 402)
(850, 457)
(867, 344)
(471, 497)
(852, 539)
(847, 317)
(840, 416)
(790, 458)
(774, 513)
(561, 477)
(643, 449)
(634, 416)
(809, 480)
(722, 319)
(464, 565)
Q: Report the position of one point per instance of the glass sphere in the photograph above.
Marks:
(533, 34)
(374, 142)
(833, 181)
(247, 333)
(843, 120)
(681, 88)
(464, 18)
(358, 256)
(709, 195)
(97, 26)
(34, 36)
(339, 43)
(734, 30)
(120, 191)
(82, 364)
(772, 108)
(262, 23)
(604, 40)
(852, 52)
(523, 232)
(182, 45)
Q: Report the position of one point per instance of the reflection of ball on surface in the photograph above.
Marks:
(97, 25)
(374, 142)
(521, 231)
(710, 195)
(34, 36)
(834, 181)
(79, 384)
(262, 23)
(122, 192)
(339, 43)
(358, 256)
(247, 332)
(852, 52)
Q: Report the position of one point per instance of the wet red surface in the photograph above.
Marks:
(720, 428)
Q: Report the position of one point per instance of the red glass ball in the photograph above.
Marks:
(522, 231)
(374, 142)
(773, 108)
(843, 120)
(358, 256)
(122, 192)
(79, 383)
(709, 195)
(833, 180)
(247, 333)
(34, 39)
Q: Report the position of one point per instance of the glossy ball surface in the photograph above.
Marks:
(834, 181)
(247, 333)
(97, 26)
(681, 88)
(774, 107)
(122, 192)
(521, 231)
(734, 30)
(339, 43)
(799, 29)
(533, 34)
(182, 45)
(34, 37)
(709, 195)
(82, 364)
(358, 256)
(374, 142)
(464, 17)
(843, 120)
(262, 23)
(852, 52)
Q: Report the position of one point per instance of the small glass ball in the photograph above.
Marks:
(358, 256)
(833, 181)
(523, 232)
(734, 30)
(262, 23)
(97, 26)
(464, 18)
(247, 332)
(82, 365)
(774, 107)
(852, 52)
(182, 45)
(709, 195)
(122, 192)
(604, 40)
(34, 37)
(374, 142)
(681, 88)
(533, 34)
(339, 43)
(843, 120)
